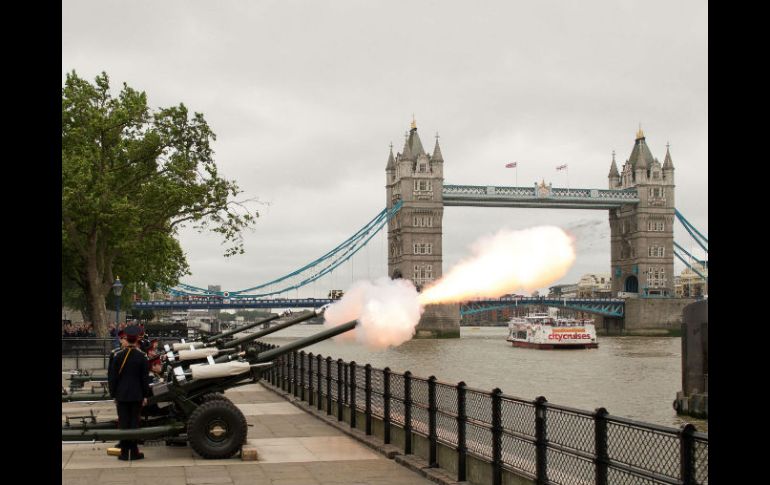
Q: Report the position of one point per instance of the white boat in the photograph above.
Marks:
(541, 331)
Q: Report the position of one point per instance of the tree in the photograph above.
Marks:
(131, 178)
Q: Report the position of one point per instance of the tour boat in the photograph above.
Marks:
(541, 331)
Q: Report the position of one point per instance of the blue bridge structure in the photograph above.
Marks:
(610, 307)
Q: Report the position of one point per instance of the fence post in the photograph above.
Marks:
(407, 413)
(346, 382)
(497, 437)
(541, 445)
(602, 455)
(295, 368)
(462, 418)
(340, 365)
(284, 372)
(279, 373)
(386, 404)
(274, 373)
(687, 454)
(352, 393)
(432, 436)
(329, 386)
(319, 403)
(310, 378)
(302, 375)
(368, 392)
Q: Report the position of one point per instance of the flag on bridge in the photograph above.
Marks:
(510, 165)
(561, 167)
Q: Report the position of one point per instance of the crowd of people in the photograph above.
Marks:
(80, 330)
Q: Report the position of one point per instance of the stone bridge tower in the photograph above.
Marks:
(414, 234)
(642, 235)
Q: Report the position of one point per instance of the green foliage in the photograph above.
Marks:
(252, 314)
(226, 317)
(131, 178)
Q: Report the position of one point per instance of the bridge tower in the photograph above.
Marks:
(642, 234)
(414, 234)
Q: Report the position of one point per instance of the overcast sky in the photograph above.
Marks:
(305, 98)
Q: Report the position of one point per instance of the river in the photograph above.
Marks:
(632, 377)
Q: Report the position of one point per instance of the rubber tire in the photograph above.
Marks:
(213, 396)
(217, 396)
(230, 416)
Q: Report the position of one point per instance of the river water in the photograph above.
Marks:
(633, 377)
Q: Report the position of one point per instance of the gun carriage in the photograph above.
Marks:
(190, 404)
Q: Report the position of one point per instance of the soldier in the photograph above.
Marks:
(129, 382)
(152, 351)
(156, 376)
(156, 367)
(144, 342)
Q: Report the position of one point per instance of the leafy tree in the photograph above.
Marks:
(131, 178)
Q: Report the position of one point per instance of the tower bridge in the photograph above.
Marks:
(639, 199)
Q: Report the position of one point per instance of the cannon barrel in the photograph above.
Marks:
(86, 396)
(253, 336)
(147, 433)
(240, 329)
(305, 342)
(221, 353)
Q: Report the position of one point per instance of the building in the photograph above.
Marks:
(642, 234)
(569, 290)
(594, 285)
(690, 284)
(414, 234)
(415, 178)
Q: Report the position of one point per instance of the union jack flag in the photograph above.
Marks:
(510, 165)
(561, 167)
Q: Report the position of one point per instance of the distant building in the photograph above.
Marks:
(569, 290)
(689, 284)
(594, 285)
(215, 288)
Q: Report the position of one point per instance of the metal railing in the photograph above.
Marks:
(547, 443)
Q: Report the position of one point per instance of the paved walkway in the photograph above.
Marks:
(293, 448)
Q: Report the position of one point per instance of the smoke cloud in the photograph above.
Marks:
(387, 312)
(504, 263)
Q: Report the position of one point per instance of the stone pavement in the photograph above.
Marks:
(293, 448)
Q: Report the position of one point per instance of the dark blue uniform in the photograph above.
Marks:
(129, 382)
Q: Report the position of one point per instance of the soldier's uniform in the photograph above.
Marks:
(114, 351)
(129, 383)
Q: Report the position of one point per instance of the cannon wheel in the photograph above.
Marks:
(213, 396)
(216, 429)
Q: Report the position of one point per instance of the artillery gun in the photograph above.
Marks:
(185, 354)
(193, 408)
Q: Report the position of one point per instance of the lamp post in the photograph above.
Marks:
(117, 288)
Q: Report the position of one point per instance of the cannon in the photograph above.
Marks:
(194, 407)
(190, 353)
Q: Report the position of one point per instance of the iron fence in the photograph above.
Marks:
(548, 443)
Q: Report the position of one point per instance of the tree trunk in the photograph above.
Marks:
(95, 294)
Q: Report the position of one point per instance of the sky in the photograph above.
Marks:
(306, 97)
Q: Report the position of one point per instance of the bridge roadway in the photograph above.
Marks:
(610, 307)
